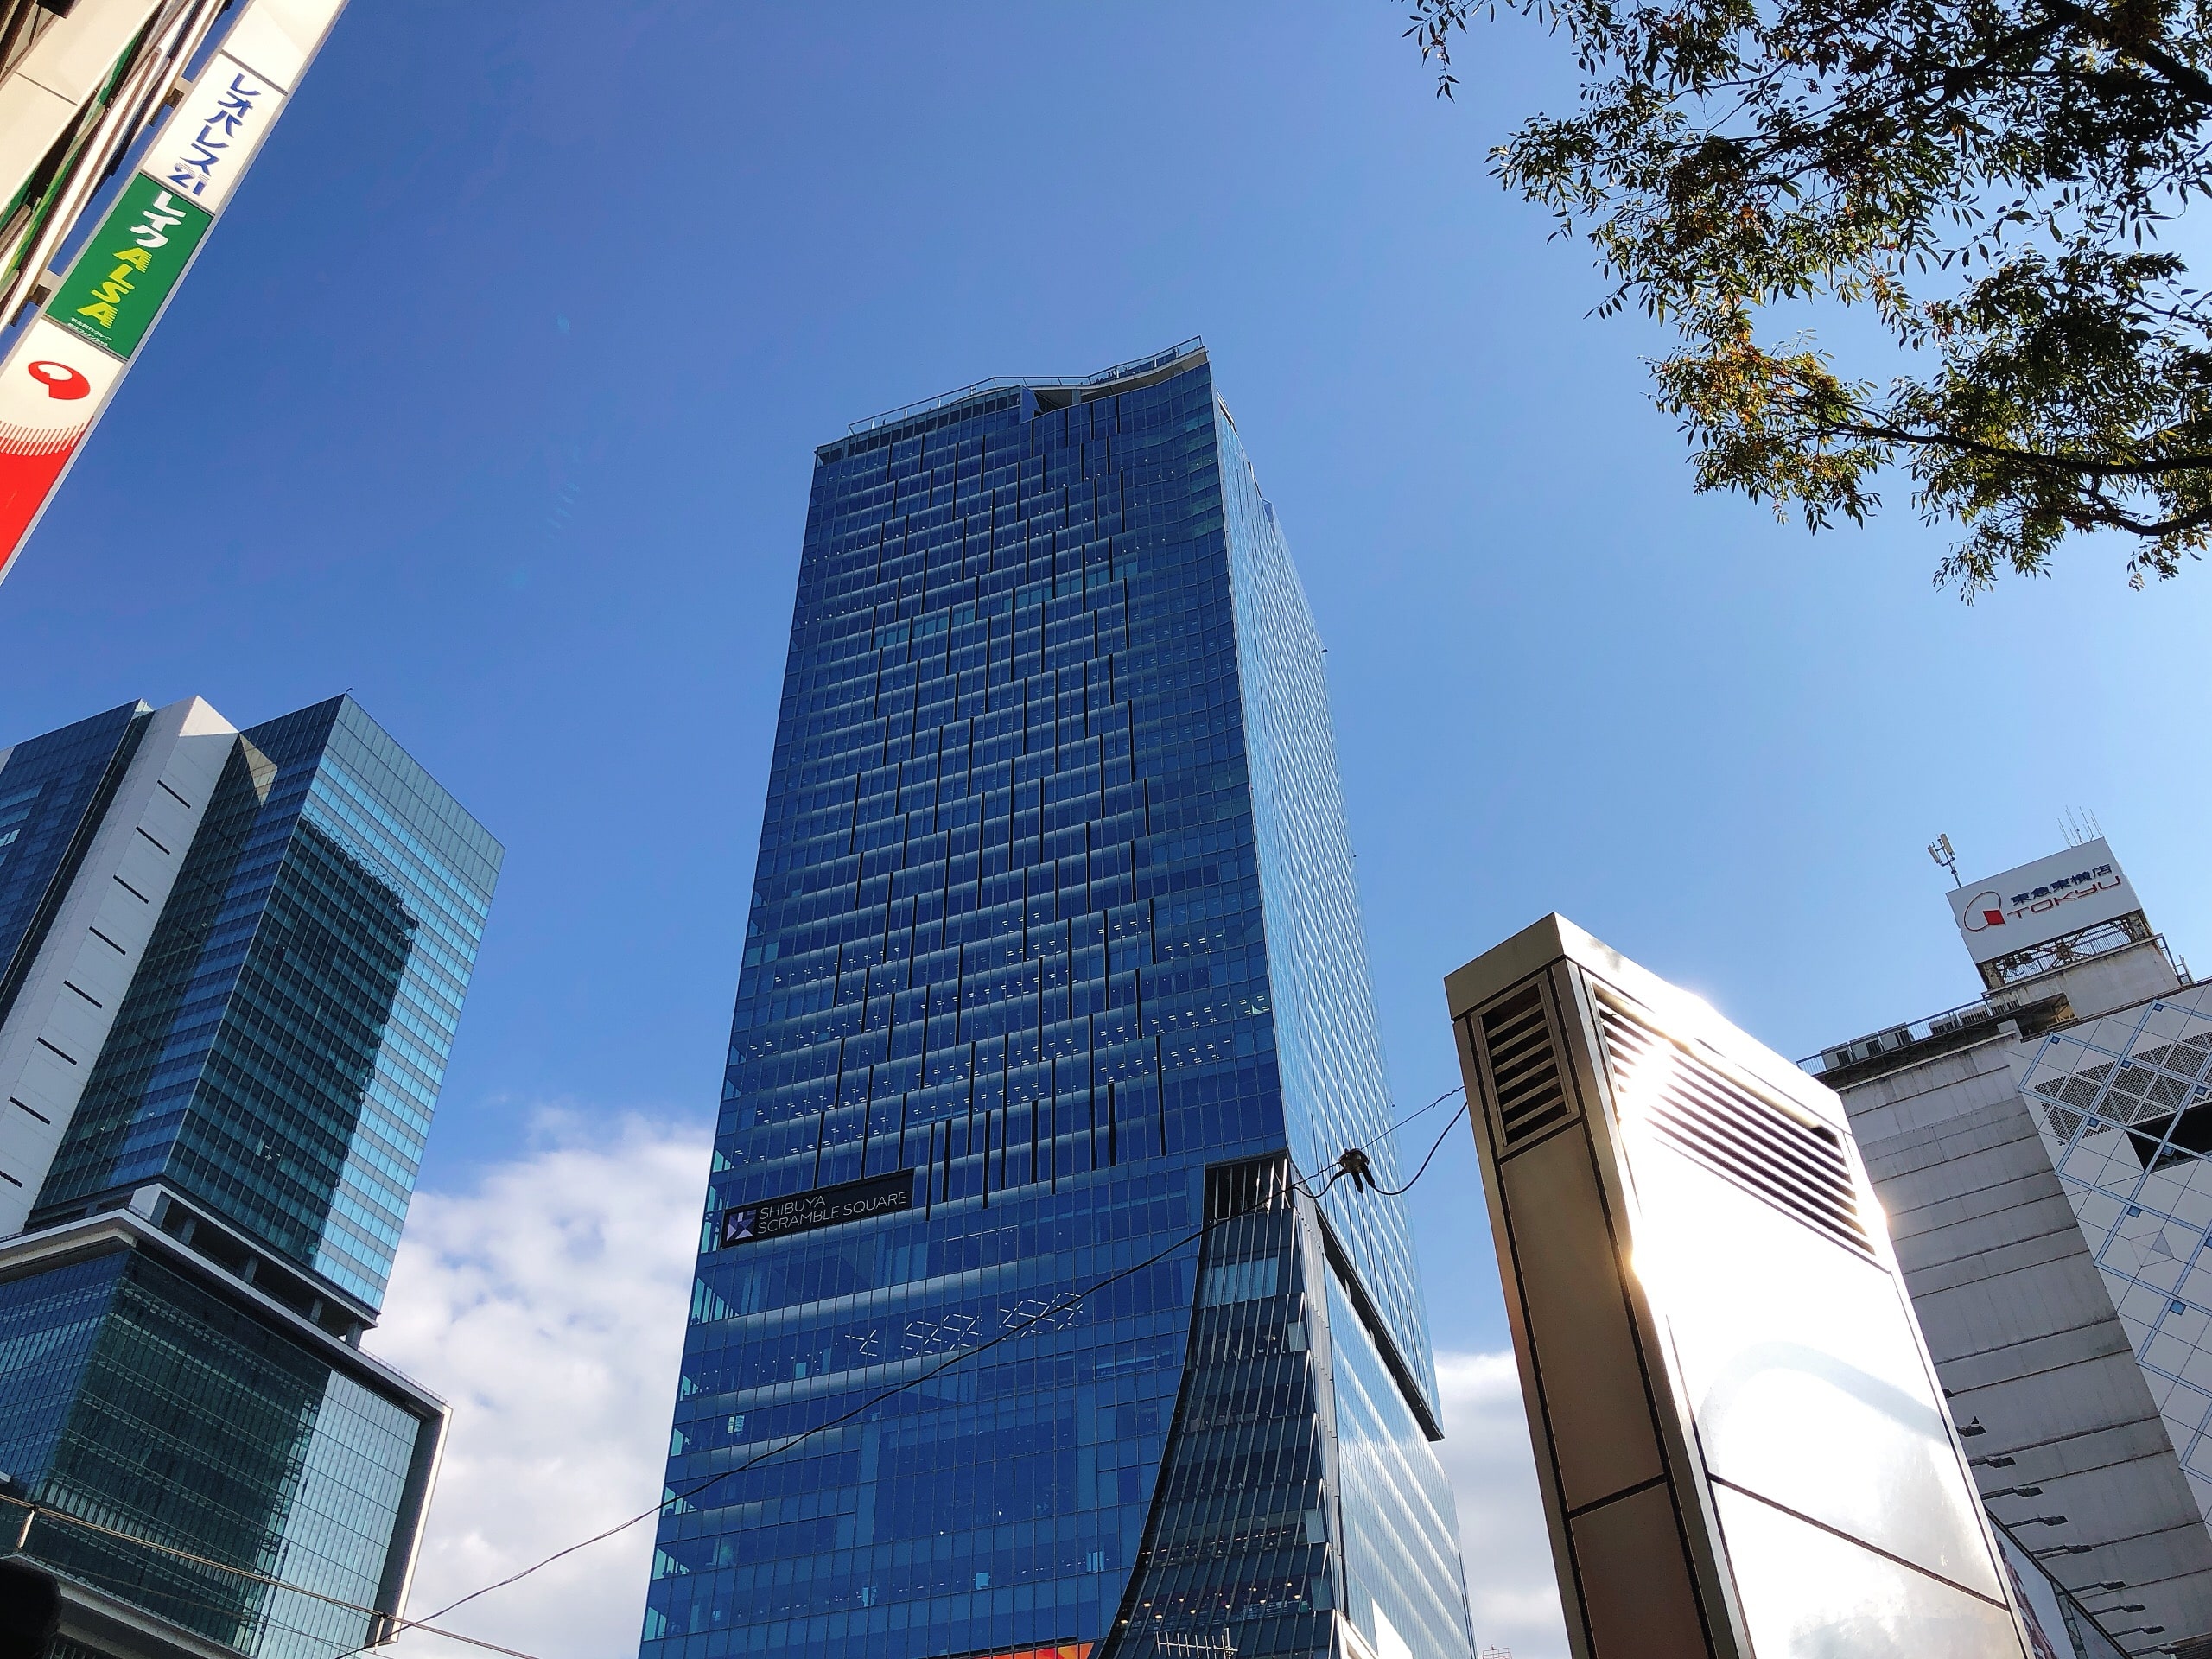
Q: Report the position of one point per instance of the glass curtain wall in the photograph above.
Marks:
(132, 1398)
(53, 790)
(1024, 914)
(279, 1053)
(273, 1063)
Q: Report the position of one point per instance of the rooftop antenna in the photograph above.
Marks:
(1941, 850)
(2080, 826)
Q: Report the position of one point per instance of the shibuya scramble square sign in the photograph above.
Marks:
(823, 1206)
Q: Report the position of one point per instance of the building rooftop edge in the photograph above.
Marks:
(1554, 937)
(91, 1610)
(127, 1228)
(1185, 354)
(2031, 1001)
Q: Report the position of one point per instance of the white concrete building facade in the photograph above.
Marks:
(2045, 1160)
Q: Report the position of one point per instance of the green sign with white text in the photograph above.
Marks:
(115, 289)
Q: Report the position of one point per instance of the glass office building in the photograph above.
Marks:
(1054, 979)
(234, 965)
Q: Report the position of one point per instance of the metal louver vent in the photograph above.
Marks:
(1797, 1166)
(1524, 1066)
(1240, 1189)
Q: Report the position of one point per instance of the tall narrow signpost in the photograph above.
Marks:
(57, 379)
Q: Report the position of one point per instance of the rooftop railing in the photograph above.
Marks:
(2032, 991)
(1996, 1006)
(1001, 383)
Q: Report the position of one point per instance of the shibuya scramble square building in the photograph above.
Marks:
(1054, 975)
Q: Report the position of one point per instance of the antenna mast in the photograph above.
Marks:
(1941, 850)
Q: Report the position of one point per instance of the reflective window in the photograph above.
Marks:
(51, 790)
(280, 1050)
(1008, 937)
(132, 1398)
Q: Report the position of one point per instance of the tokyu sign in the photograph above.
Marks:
(56, 381)
(2041, 901)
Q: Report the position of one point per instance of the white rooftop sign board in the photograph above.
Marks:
(2039, 902)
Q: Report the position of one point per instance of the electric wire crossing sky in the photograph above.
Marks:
(1054, 972)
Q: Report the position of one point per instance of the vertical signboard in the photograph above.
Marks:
(56, 381)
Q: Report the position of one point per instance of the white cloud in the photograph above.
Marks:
(1511, 1591)
(547, 1305)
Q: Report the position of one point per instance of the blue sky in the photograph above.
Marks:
(494, 399)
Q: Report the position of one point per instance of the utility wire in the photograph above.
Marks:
(128, 1587)
(1066, 1303)
(1456, 1088)
(1352, 1163)
(1356, 1164)
(1396, 1192)
(63, 1516)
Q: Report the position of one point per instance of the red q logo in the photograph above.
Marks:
(61, 381)
(1984, 910)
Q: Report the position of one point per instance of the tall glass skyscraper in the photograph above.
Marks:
(231, 967)
(1054, 956)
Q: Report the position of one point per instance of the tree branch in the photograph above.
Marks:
(2190, 82)
(2073, 465)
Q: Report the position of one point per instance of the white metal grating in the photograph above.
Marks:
(1795, 1166)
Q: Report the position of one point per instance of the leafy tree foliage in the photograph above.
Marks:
(1988, 178)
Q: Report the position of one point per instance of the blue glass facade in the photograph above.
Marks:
(52, 791)
(1054, 912)
(279, 1055)
(180, 1322)
(132, 1395)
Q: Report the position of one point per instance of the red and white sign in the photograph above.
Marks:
(53, 386)
(2041, 901)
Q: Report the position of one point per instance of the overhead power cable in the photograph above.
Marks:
(48, 1512)
(1352, 1163)
(1423, 1111)
(1398, 1191)
(1355, 1164)
(1065, 1303)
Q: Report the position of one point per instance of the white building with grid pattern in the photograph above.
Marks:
(2044, 1157)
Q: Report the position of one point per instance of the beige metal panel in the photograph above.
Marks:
(278, 38)
(1703, 1301)
(1638, 1590)
(1791, 1571)
(1689, 1017)
(1482, 1117)
(31, 119)
(1571, 981)
(1580, 1336)
(76, 54)
(1587, 1366)
(2022, 1327)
